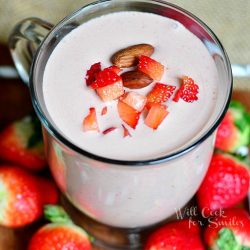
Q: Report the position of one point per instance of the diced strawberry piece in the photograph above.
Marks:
(90, 121)
(188, 90)
(177, 96)
(108, 130)
(151, 67)
(129, 115)
(115, 69)
(104, 110)
(105, 77)
(92, 72)
(125, 131)
(159, 94)
(111, 92)
(156, 115)
(134, 100)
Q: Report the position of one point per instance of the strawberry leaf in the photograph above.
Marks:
(227, 241)
(36, 136)
(56, 214)
(28, 131)
(241, 116)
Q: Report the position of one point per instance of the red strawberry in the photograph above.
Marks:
(151, 67)
(104, 110)
(49, 191)
(234, 130)
(108, 130)
(115, 69)
(90, 121)
(128, 114)
(111, 92)
(20, 197)
(134, 100)
(188, 90)
(159, 94)
(125, 131)
(156, 115)
(178, 235)
(226, 184)
(92, 72)
(229, 231)
(61, 234)
(105, 77)
(21, 143)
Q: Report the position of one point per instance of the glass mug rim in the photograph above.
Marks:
(58, 136)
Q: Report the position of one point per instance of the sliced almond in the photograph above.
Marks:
(135, 79)
(128, 57)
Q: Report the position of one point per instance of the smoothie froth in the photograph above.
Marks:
(68, 99)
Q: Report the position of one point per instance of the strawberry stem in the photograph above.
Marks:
(56, 214)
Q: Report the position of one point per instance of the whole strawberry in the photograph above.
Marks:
(234, 130)
(23, 195)
(178, 235)
(225, 184)
(229, 231)
(48, 190)
(21, 143)
(60, 234)
(20, 197)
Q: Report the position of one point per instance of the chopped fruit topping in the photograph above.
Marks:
(108, 130)
(156, 115)
(115, 69)
(90, 121)
(134, 100)
(135, 79)
(111, 92)
(104, 110)
(188, 90)
(129, 115)
(105, 77)
(177, 95)
(125, 131)
(92, 72)
(151, 67)
(159, 94)
(128, 57)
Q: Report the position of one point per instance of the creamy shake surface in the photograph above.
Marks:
(68, 98)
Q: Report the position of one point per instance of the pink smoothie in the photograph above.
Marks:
(126, 196)
(68, 98)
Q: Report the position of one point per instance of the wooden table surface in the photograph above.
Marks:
(15, 103)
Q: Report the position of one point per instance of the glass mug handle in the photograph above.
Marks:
(24, 41)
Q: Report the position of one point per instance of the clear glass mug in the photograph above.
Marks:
(131, 195)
